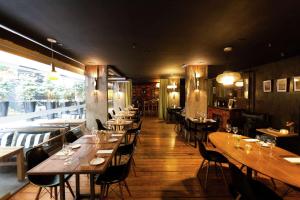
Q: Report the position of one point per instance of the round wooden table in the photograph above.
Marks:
(259, 158)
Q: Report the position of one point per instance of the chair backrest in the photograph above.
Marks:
(120, 108)
(202, 150)
(100, 126)
(113, 111)
(70, 137)
(241, 183)
(109, 116)
(125, 168)
(127, 149)
(35, 156)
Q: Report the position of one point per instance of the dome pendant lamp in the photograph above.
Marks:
(228, 78)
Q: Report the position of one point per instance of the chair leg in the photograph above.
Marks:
(51, 192)
(127, 188)
(121, 190)
(102, 191)
(70, 188)
(199, 170)
(133, 162)
(206, 176)
(139, 139)
(133, 169)
(106, 192)
(38, 194)
(55, 193)
(221, 167)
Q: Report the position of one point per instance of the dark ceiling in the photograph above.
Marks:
(150, 39)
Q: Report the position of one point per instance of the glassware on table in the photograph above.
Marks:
(228, 128)
(66, 150)
(272, 144)
(248, 148)
(258, 143)
(235, 130)
(237, 140)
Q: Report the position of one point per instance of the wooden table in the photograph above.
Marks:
(275, 133)
(207, 123)
(270, 165)
(119, 125)
(7, 152)
(79, 164)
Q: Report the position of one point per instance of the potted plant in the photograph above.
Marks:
(30, 89)
(7, 86)
(53, 95)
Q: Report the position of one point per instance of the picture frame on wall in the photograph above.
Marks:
(296, 83)
(281, 85)
(267, 86)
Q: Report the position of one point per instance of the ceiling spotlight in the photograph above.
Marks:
(51, 40)
(282, 54)
(227, 49)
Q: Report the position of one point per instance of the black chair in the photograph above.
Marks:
(242, 187)
(100, 126)
(210, 156)
(109, 116)
(34, 157)
(191, 131)
(127, 149)
(120, 108)
(70, 137)
(113, 111)
(114, 174)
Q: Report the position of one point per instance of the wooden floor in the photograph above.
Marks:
(166, 169)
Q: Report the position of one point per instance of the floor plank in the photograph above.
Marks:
(166, 169)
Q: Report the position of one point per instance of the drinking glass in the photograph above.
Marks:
(235, 129)
(258, 143)
(228, 128)
(272, 144)
(66, 152)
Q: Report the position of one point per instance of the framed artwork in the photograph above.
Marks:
(281, 85)
(297, 83)
(267, 86)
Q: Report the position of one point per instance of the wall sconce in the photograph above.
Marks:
(197, 81)
(96, 85)
(172, 86)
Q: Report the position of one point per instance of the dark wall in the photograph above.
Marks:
(281, 106)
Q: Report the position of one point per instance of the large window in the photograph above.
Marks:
(26, 91)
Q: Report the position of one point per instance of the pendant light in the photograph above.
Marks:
(228, 78)
(53, 75)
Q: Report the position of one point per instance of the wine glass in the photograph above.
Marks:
(228, 128)
(235, 130)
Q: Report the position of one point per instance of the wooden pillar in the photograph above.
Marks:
(196, 97)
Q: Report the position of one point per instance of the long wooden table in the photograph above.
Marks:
(79, 163)
(274, 165)
(7, 152)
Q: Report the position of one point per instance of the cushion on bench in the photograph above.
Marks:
(6, 139)
(30, 139)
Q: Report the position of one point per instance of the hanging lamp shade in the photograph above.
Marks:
(228, 78)
(53, 75)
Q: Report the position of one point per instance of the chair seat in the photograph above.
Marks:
(113, 174)
(47, 181)
(216, 157)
